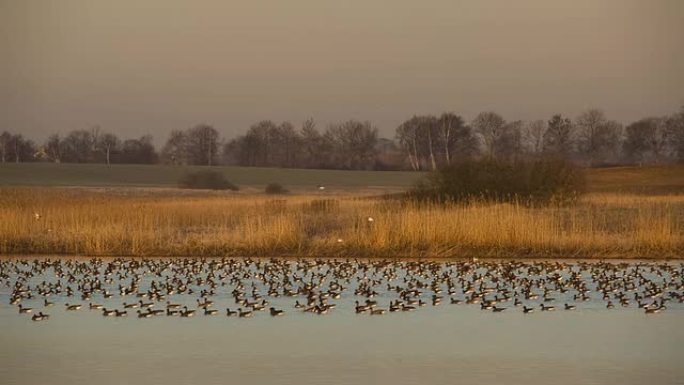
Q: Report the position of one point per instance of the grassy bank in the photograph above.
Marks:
(99, 175)
(639, 180)
(77, 221)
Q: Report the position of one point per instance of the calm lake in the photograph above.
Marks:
(442, 343)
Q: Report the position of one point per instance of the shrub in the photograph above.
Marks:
(275, 188)
(530, 182)
(206, 179)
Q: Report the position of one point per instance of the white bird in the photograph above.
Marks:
(370, 219)
(321, 188)
(37, 216)
(339, 240)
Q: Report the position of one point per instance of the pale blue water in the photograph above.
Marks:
(434, 345)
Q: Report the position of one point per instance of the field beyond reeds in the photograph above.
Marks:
(146, 222)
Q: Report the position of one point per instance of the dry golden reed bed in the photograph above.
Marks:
(91, 222)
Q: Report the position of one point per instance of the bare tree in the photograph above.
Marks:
(407, 135)
(675, 134)
(647, 140)
(53, 148)
(558, 138)
(508, 143)
(533, 136)
(107, 143)
(451, 127)
(597, 136)
(5, 139)
(354, 144)
(489, 125)
(175, 149)
(202, 144)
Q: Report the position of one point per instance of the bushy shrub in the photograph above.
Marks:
(275, 188)
(206, 179)
(530, 182)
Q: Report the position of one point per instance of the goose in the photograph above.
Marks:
(455, 301)
(275, 312)
(231, 313)
(407, 308)
(145, 304)
(40, 317)
(210, 311)
(498, 309)
(47, 303)
(298, 305)
(108, 313)
(172, 312)
(610, 305)
(651, 310)
(361, 308)
(170, 305)
(569, 307)
(130, 305)
(24, 309)
(122, 313)
(72, 307)
(244, 314)
(93, 306)
(377, 311)
(187, 313)
(144, 315)
(527, 309)
(547, 308)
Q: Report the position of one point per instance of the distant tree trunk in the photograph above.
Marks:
(415, 155)
(432, 154)
(447, 136)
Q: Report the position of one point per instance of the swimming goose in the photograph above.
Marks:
(569, 307)
(547, 308)
(93, 306)
(24, 309)
(527, 309)
(146, 304)
(108, 313)
(244, 314)
(40, 317)
(72, 307)
(172, 312)
(47, 303)
(231, 313)
(210, 311)
(275, 312)
(144, 315)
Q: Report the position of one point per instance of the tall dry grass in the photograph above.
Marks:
(96, 223)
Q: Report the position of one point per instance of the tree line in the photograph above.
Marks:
(424, 142)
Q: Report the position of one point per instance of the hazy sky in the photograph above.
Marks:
(135, 67)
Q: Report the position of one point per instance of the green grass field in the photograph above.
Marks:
(99, 175)
(650, 180)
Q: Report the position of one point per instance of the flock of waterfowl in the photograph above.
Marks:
(241, 288)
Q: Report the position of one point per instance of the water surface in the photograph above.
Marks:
(433, 345)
